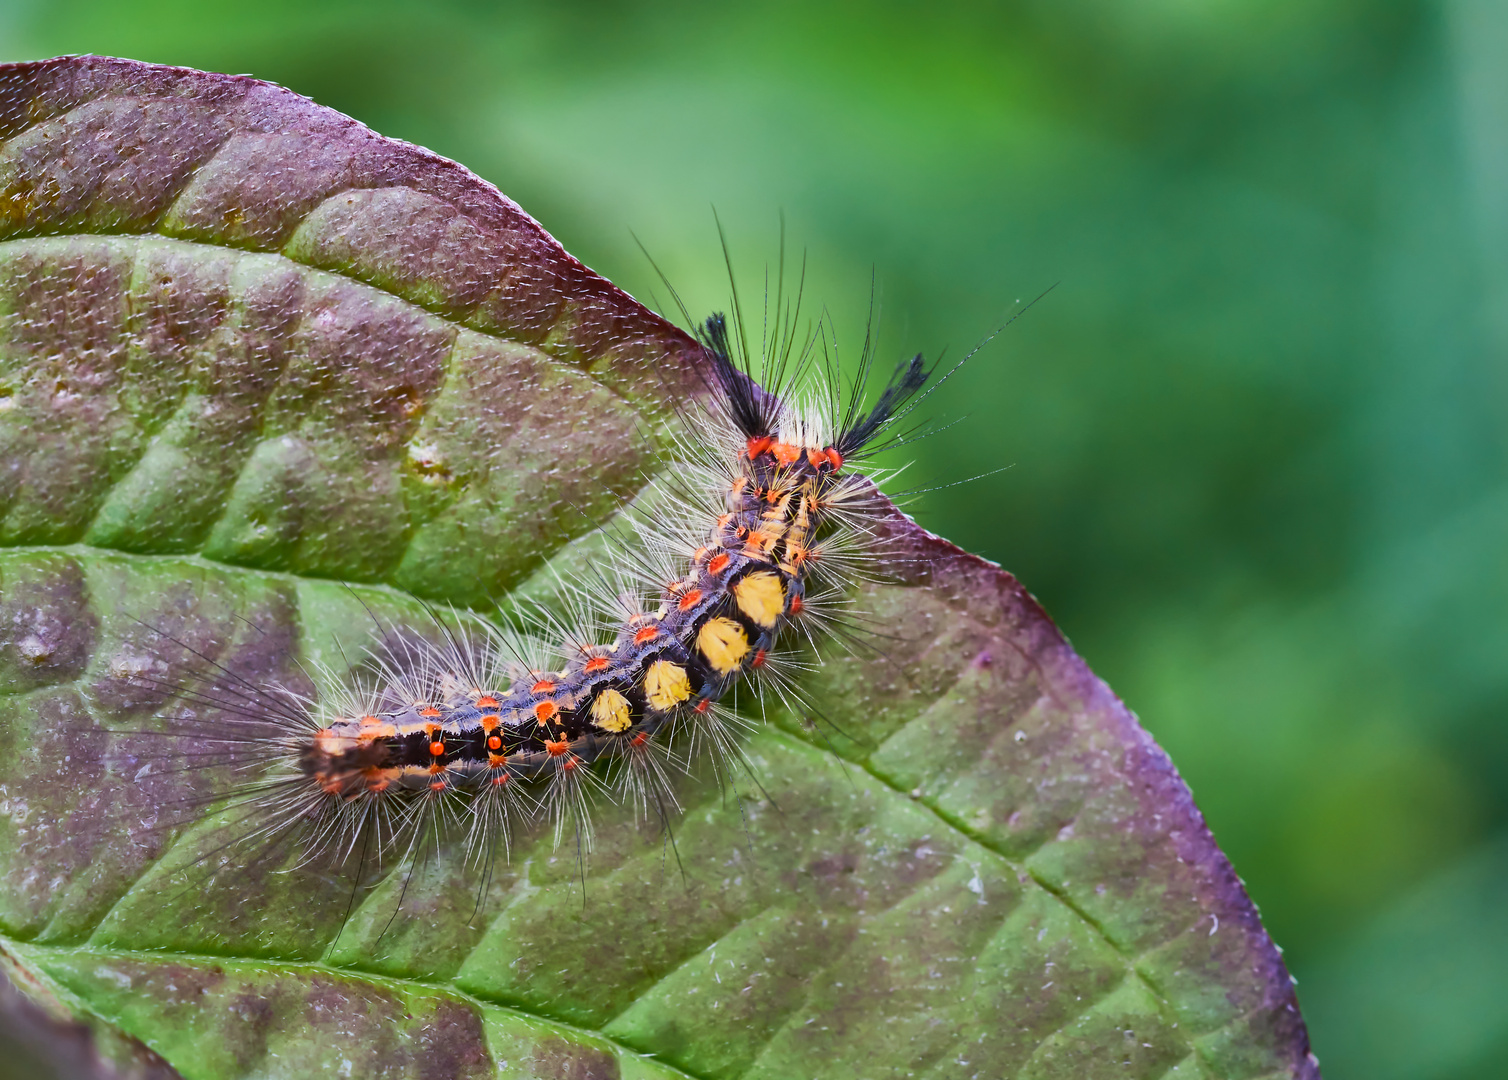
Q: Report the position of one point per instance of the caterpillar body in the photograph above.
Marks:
(763, 527)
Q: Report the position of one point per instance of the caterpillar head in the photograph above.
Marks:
(823, 460)
(821, 436)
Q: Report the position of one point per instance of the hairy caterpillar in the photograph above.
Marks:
(758, 532)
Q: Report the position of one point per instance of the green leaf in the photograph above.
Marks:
(265, 375)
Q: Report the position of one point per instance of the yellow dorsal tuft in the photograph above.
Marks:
(610, 711)
(761, 597)
(666, 685)
(723, 643)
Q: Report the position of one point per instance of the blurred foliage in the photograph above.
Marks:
(1256, 435)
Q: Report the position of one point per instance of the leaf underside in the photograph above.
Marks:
(265, 376)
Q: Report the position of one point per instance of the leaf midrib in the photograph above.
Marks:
(400, 984)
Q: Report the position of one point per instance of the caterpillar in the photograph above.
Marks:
(760, 528)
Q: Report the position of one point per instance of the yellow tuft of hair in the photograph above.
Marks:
(761, 597)
(666, 685)
(610, 711)
(723, 643)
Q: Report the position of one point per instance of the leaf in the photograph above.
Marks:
(264, 371)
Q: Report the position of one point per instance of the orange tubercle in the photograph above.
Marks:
(646, 633)
(785, 453)
(543, 686)
(486, 701)
(596, 664)
(545, 711)
(755, 447)
(717, 564)
(692, 598)
(555, 748)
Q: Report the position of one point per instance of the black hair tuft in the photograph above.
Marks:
(753, 410)
(909, 377)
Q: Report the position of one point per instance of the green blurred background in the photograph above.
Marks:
(1256, 433)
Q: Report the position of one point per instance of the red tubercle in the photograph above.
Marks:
(437, 785)
(543, 686)
(596, 664)
(494, 743)
(797, 605)
(718, 563)
(692, 598)
(437, 747)
(646, 633)
(761, 657)
(702, 706)
(639, 739)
